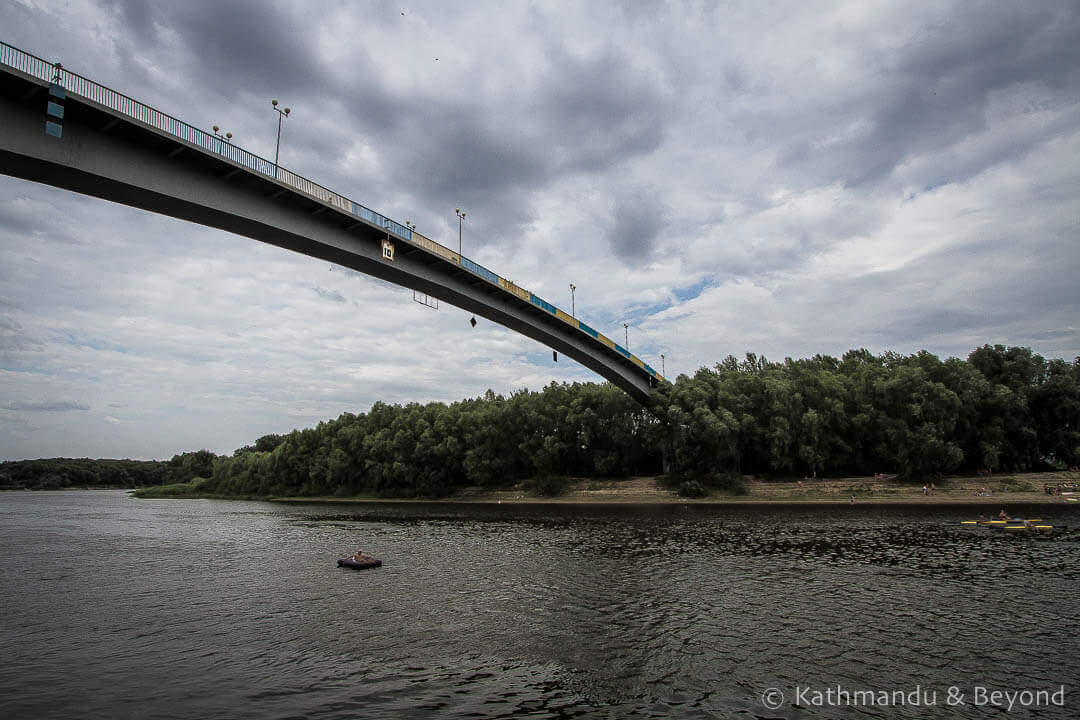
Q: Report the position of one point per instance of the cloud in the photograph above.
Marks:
(235, 43)
(938, 89)
(332, 295)
(45, 406)
(638, 216)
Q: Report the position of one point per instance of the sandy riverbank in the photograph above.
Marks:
(1023, 488)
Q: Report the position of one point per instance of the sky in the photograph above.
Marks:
(782, 178)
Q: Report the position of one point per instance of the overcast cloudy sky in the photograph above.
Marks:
(779, 178)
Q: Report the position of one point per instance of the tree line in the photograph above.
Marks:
(60, 473)
(579, 429)
(916, 416)
(913, 416)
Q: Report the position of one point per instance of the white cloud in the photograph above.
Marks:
(788, 181)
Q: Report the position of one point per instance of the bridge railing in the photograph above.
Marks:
(211, 142)
(214, 143)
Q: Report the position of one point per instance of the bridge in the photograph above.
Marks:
(61, 129)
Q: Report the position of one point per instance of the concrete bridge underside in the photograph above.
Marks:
(109, 155)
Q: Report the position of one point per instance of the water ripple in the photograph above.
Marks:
(182, 609)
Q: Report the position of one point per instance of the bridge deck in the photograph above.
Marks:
(114, 147)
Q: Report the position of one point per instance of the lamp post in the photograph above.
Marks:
(460, 217)
(663, 370)
(573, 310)
(226, 138)
(626, 335)
(281, 114)
(411, 225)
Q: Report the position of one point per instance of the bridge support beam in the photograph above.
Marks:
(137, 165)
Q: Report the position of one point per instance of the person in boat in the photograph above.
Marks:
(1004, 515)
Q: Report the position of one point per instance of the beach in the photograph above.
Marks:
(1004, 489)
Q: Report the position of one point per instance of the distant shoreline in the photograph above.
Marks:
(674, 500)
(1011, 489)
(1025, 499)
(1018, 488)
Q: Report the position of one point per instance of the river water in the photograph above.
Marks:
(114, 607)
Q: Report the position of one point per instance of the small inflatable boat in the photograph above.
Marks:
(359, 562)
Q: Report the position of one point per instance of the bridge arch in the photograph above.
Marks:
(64, 130)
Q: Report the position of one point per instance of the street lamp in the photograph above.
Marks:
(663, 370)
(460, 217)
(626, 334)
(411, 225)
(226, 138)
(573, 310)
(281, 114)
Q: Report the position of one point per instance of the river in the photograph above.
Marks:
(114, 607)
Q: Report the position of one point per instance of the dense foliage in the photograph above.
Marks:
(57, 473)
(430, 450)
(914, 416)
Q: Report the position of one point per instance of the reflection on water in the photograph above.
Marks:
(116, 607)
